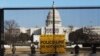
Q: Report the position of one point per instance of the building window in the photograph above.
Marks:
(56, 30)
(57, 22)
(51, 30)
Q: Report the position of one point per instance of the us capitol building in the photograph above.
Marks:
(48, 29)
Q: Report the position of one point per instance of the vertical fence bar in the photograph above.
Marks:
(54, 29)
(2, 32)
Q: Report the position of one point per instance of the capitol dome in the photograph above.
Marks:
(49, 20)
(57, 15)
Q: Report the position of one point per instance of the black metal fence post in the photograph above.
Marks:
(54, 29)
(2, 49)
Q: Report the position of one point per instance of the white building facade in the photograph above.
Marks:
(48, 29)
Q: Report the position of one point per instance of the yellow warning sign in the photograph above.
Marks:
(50, 44)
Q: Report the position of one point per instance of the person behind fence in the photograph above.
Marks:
(77, 49)
(2, 50)
(93, 49)
(33, 49)
(13, 50)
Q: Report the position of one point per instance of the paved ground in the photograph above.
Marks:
(26, 52)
